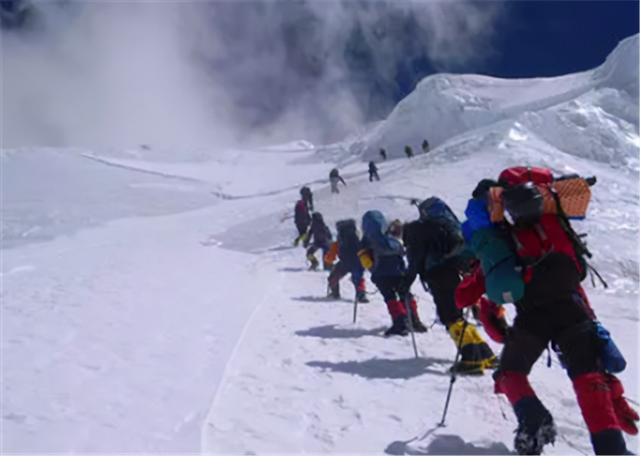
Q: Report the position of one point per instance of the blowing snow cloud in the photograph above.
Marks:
(217, 74)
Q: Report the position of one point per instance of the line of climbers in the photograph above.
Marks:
(408, 150)
(516, 246)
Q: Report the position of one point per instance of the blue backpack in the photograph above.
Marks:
(450, 242)
(374, 227)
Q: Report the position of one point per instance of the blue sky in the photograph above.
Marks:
(548, 38)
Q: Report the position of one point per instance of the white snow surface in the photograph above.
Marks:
(152, 301)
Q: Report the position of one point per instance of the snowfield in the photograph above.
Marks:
(152, 300)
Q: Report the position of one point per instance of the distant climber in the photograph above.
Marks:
(307, 197)
(373, 172)
(318, 237)
(408, 151)
(383, 154)
(302, 219)
(334, 179)
(425, 146)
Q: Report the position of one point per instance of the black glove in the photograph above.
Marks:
(480, 192)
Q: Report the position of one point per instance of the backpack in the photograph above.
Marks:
(500, 265)
(347, 237)
(374, 227)
(449, 240)
(301, 214)
(386, 251)
(551, 255)
(321, 232)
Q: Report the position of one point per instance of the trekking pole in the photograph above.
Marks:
(453, 374)
(355, 308)
(410, 323)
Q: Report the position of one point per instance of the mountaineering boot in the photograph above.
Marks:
(418, 326)
(415, 319)
(333, 289)
(535, 426)
(333, 293)
(314, 262)
(361, 297)
(398, 328)
(465, 368)
(532, 441)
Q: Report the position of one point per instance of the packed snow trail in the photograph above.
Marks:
(305, 379)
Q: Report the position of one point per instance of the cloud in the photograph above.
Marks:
(215, 74)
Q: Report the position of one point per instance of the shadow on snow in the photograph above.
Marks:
(377, 368)
(336, 332)
(447, 444)
(292, 269)
(320, 299)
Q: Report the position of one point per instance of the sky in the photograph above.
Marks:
(224, 73)
(550, 38)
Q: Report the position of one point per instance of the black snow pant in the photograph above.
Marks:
(563, 321)
(302, 228)
(442, 282)
(324, 246)
(373, 175)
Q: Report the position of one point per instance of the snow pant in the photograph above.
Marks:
(302, 230)
(373, 175)
(390, 288)
(334, 184)
(442, 282)
(324, 246)
(563, 321)
(340, 270)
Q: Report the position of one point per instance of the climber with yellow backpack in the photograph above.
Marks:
(435, 251)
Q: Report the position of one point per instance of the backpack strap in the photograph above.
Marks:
(576, 239)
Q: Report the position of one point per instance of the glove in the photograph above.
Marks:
(366, 260)
(492, 318)
(331, 255)
(481, 190)
(470, 289)
(627, 416)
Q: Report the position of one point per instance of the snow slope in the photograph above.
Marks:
(164, 310)
(444, 105)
